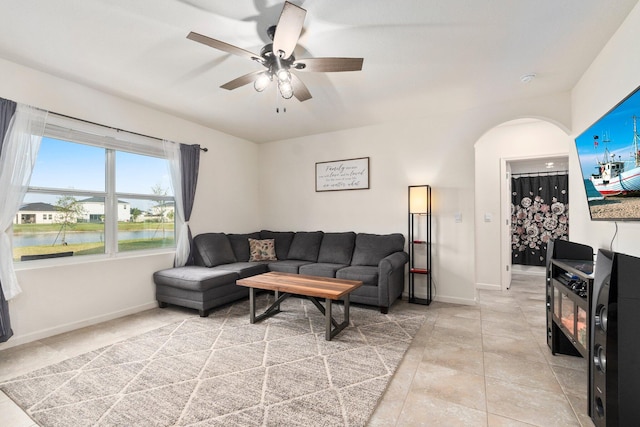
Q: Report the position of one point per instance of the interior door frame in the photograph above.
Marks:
(505, 224)
(505, 210)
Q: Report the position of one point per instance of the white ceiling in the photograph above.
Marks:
(420, 56)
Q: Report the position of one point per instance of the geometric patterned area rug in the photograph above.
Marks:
(223, 371)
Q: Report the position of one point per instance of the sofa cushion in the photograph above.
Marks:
(213, 249)
(240, 245)
(367, 274)
(305, 246)
(283, 241)
(194, 278)
(371, 248)
(287, 266)
(337, 248)
(321, 269)
(244, 269)
(262, 250)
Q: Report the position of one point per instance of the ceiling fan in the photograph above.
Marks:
(278, 59)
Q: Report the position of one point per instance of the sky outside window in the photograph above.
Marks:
(67, 165)
(139, 174)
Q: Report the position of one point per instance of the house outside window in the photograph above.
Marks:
(95, 191)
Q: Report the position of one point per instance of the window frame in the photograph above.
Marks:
(111, 140)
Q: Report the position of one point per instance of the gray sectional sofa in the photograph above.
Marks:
(221, 259)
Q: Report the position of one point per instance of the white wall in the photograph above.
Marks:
(611, 77)
(508, 141)
(59, 298)
(435, 150)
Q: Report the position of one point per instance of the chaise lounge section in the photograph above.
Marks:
(220, 259)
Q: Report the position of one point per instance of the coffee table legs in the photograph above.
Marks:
(330, 333)
(332, 327)
(273, 308)
(329, 320)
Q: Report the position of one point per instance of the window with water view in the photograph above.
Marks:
(89, 198)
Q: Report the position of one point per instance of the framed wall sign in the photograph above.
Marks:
(349, 174)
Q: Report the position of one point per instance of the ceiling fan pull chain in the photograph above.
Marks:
(277, 101)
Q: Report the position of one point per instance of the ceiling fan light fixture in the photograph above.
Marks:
(285, 88)
(278, 57)
(262, 82)
(283, 75)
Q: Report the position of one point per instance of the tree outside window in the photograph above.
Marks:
(69, 210)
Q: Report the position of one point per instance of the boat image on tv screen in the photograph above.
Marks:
(610, 162)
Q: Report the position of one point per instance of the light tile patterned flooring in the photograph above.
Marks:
(483, 365)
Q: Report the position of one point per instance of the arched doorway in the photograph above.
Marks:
(522, 140)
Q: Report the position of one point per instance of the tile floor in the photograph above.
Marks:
(483, 365)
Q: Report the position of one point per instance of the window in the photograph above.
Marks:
(95, 190)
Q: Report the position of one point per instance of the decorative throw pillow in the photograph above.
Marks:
(262, 250)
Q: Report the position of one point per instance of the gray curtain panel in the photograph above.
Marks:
(7, 109)
(189, 165)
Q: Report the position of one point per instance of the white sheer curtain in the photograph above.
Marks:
(172, 151)
(18, 158)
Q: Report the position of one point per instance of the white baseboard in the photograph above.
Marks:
(67, 327)
(488, 286)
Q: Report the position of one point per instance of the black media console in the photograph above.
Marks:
(568, 306)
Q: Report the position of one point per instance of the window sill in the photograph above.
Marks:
(87, 259)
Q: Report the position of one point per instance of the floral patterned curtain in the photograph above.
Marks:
(539, 213)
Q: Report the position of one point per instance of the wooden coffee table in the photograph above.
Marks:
(310, 286)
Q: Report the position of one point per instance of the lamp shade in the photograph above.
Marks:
(419, 199)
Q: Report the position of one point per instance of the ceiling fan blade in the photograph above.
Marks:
(241, 81)
(300, 90)
(288, 29)
(225, 47)
(328, 64)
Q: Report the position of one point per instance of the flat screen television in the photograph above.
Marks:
(610, 162)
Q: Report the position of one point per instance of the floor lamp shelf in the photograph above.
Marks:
(419, 239)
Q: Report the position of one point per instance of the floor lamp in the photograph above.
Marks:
(419, 212)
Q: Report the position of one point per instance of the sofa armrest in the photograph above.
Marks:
(393, 261)
(391, 277)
